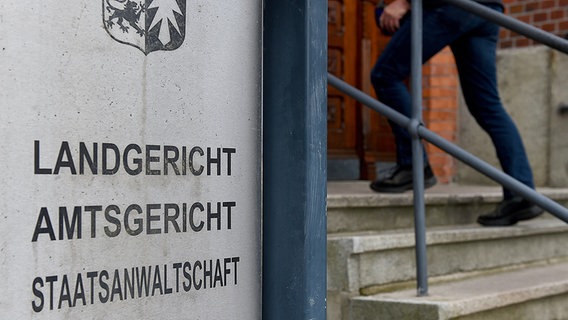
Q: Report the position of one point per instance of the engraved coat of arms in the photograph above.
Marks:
(149, 25)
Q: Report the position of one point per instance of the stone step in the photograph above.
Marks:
(539, 292)
(371, 242)
(352, 206)
(369, 261)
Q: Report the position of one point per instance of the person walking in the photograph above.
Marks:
(473, 41)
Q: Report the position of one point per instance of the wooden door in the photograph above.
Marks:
(342, 62)
(355, 133)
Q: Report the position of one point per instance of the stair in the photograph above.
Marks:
(474, 272)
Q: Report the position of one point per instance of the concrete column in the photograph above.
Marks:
(130, 158)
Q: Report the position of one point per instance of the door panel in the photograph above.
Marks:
(342, 128)
(355, 132)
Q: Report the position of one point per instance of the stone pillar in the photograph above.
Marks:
(131, 157)
(558, 174)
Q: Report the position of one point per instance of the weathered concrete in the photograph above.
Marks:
(363, 260)
(558, 173)
(352, 206)
(531, 293)
(371, 244)
(121, 122)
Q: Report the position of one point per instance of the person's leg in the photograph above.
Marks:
(388, 76)
(393, 68)
(475, 57)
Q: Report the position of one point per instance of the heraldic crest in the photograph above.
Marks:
(149, 25)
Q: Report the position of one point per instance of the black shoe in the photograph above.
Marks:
(509, 212)
(401, 180)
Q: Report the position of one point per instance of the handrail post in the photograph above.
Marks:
(417, 153)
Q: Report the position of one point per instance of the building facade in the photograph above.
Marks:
(359, 140)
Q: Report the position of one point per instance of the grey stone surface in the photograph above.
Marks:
(558, 173)
(477, 298)
(91, 119)
(352, 206)
(343, 169)
(371, 248)
(383, 258)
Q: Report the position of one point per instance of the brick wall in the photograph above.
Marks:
(548, 15)
(440, 91)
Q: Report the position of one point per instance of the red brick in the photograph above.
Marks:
(442, 59)
(442, 115)
(437, 157)
(444, 81)
(446, 103)
(557, 14)
(504, 33)
(445, 126)
(450, 136)
(522, 42)
(442, 69)
(547, 4)
(549, 27)
(532, 6)
(540, 17)
(439, 92)
(517, 8)
(563, 26)
(527, 18)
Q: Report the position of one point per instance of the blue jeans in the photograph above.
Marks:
(473, 41)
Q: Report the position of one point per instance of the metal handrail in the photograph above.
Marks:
(454, 150)
(525, 29)
(418, 131)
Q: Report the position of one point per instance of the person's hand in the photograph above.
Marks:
(390, 19)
